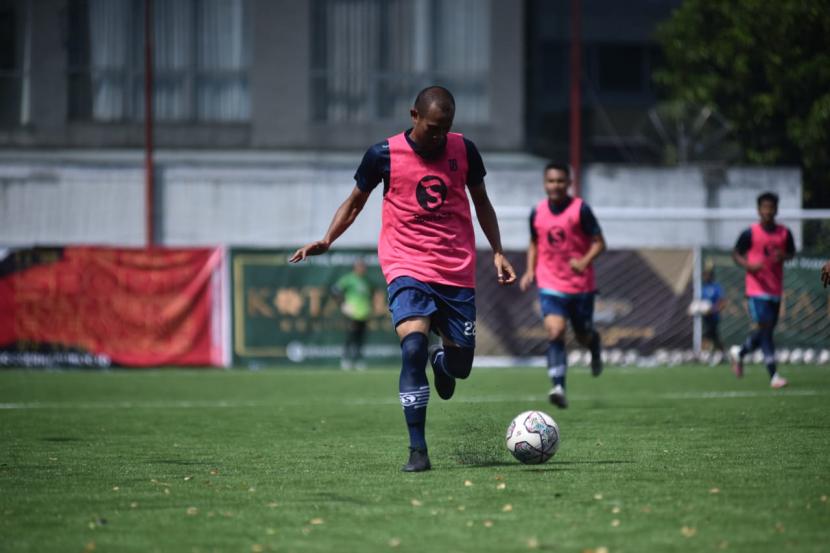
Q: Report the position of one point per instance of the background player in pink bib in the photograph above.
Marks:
(426, 250)
(565, 238)
(761, 250)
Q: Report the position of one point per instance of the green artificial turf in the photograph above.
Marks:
(663, 459)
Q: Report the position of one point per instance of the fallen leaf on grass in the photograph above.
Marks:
(257, 548)
(115, 488)
(488, 523)
(89, 547)
(501, 486)
(468, 483)
(507, 508)
(416, 503)
(134, 505)
(192, 511)
(214, 472)
(252, 489)
(270, 531)
(615, 523)
(187, 478)
(394, 542)
(616, 510)
(533, 543)
(461, 507)
(316, 521)
(688, 532)
(166, 491)
(714, 490)
(779, 527)
(273, 505)
(823, 499)
(597, 496)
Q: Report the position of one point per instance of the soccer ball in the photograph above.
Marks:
(533, 437)
(700, 307)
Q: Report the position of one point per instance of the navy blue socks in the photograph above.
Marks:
(413, 387)
(557, 362)
(768, 347)
(751, 343)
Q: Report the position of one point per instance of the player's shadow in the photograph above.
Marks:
(480, 462)
(599, 462)
(181, 462)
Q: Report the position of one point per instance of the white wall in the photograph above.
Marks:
(285, 199)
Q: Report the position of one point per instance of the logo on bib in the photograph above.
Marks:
(556, 235)
(431, 192)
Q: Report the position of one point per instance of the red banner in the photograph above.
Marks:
(91, 306)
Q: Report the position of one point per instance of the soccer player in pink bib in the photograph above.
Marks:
(565, 238)
(426, 250)
(761, 250)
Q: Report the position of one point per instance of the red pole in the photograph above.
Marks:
(149, 184)
(576, 95)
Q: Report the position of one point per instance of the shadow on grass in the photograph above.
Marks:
(60, 439)
(180, 462)
(602, 462)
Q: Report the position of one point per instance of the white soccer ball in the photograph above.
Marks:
(533, 437)
(700, 307)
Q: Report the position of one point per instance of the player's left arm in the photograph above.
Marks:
(590, 226)
(789, 253)
(597, 247)
(490, 225)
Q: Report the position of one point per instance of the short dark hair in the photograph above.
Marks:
(559, 166)
(768, 197)
(437, 95)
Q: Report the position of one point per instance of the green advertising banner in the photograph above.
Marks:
(285, 314)
(804, 321)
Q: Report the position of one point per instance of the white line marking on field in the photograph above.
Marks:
(360, 402)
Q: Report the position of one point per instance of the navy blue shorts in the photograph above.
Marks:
(578, 308)
(764, 310)
(451, 308)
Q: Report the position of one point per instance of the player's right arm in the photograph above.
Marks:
(343, 219)
(532, 255)
(530, 269)
(739, 253)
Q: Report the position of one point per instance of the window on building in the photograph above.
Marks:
(621, 67)
(14, 16)
(371, 57)
(201, 58)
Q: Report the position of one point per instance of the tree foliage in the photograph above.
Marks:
(764, 65)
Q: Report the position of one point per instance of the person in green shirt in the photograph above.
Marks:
(356, 293)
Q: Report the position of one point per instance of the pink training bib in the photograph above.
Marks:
(770, 279)
(560, 238)
(426, 229)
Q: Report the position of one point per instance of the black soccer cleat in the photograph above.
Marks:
(418, 461)
(444, 383)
